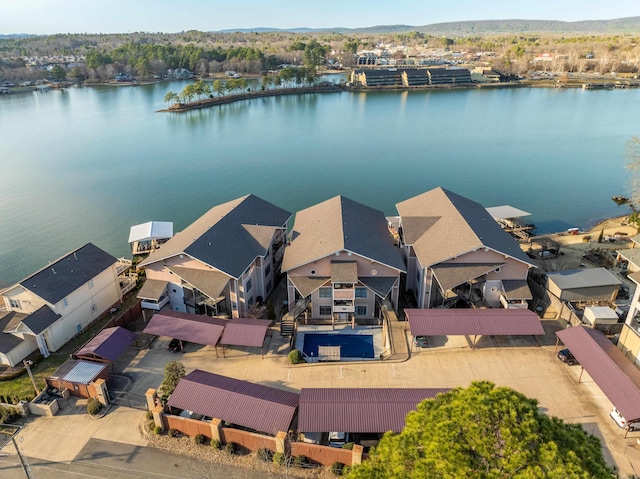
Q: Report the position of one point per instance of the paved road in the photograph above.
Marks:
(111, 460)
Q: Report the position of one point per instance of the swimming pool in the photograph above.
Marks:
(351, 345)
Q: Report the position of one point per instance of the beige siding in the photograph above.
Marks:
(322, 267)
(83, 307)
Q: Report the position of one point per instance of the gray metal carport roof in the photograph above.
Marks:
(616, 375)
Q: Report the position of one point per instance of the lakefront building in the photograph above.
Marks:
(455, 252)
(222, 264)
(342, 261)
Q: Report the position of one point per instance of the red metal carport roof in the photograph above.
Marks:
(107, 345)
(254, 406)
(245, 332)
(366, 410)
(476, 322)
(618, 378)
(186, 327)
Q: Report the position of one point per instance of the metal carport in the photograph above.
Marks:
(615, 375)
(474, 322)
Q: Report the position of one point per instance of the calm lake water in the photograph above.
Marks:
(87, 163)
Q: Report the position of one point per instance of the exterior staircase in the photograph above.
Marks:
(288, 322)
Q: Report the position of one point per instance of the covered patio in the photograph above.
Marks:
(146, 237)
(107, 345)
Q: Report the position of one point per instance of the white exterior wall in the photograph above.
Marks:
(29, 302)
(17, 354)
(83, 307)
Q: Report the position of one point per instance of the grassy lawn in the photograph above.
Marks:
(21, 388)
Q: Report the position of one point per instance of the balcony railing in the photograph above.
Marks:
(122, 265)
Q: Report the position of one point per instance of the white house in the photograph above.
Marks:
(54, 304)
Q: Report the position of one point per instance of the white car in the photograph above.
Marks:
(622, 422)
(338, 439)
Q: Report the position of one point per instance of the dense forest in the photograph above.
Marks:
(99, 57)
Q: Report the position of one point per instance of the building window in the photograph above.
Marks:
(14, 303)
(324, 292)
(250, 302)
(268, 287)
(64, 303)
(94, 308)
(267, 269)
(247, 286)
(325, 311)
(418, 275)
(361, 310)
(267, 253)
(361, 293)
(90, 284)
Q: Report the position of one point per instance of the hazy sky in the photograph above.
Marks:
(111, 16)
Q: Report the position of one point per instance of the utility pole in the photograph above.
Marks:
(23, 460)
(27, 364)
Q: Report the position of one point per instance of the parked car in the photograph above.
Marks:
(421, 341)
(338, 439)
(312, 437)
(622, 422)
(175, 346)
(566, 357)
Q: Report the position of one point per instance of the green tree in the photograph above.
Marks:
(173, 373)
(482, 432)
(315, 55)
(58, 73)
(170, 98)
(218, 87)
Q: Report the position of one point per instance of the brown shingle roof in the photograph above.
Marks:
(340, 224)
(254, 406)
(442, 225)
(209, 282)
(450, 275)
(344, 272)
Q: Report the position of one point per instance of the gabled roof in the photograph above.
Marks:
(7, 341)
(618, 377)
(366, 410)
(209, 282)
(228, 237)
(442, 225)
(151, 230)
(254, 406)
(107, 345)
(40, 319)
(583, 278)
(450, 275)
(340, 224)
(307, 284)
(60, 279)
(152, 289)
(379, 284)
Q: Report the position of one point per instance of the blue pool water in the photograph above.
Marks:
(351, 345)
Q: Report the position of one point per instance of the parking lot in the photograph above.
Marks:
(524, 364)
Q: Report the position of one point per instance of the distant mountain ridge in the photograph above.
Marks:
(477, 27)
